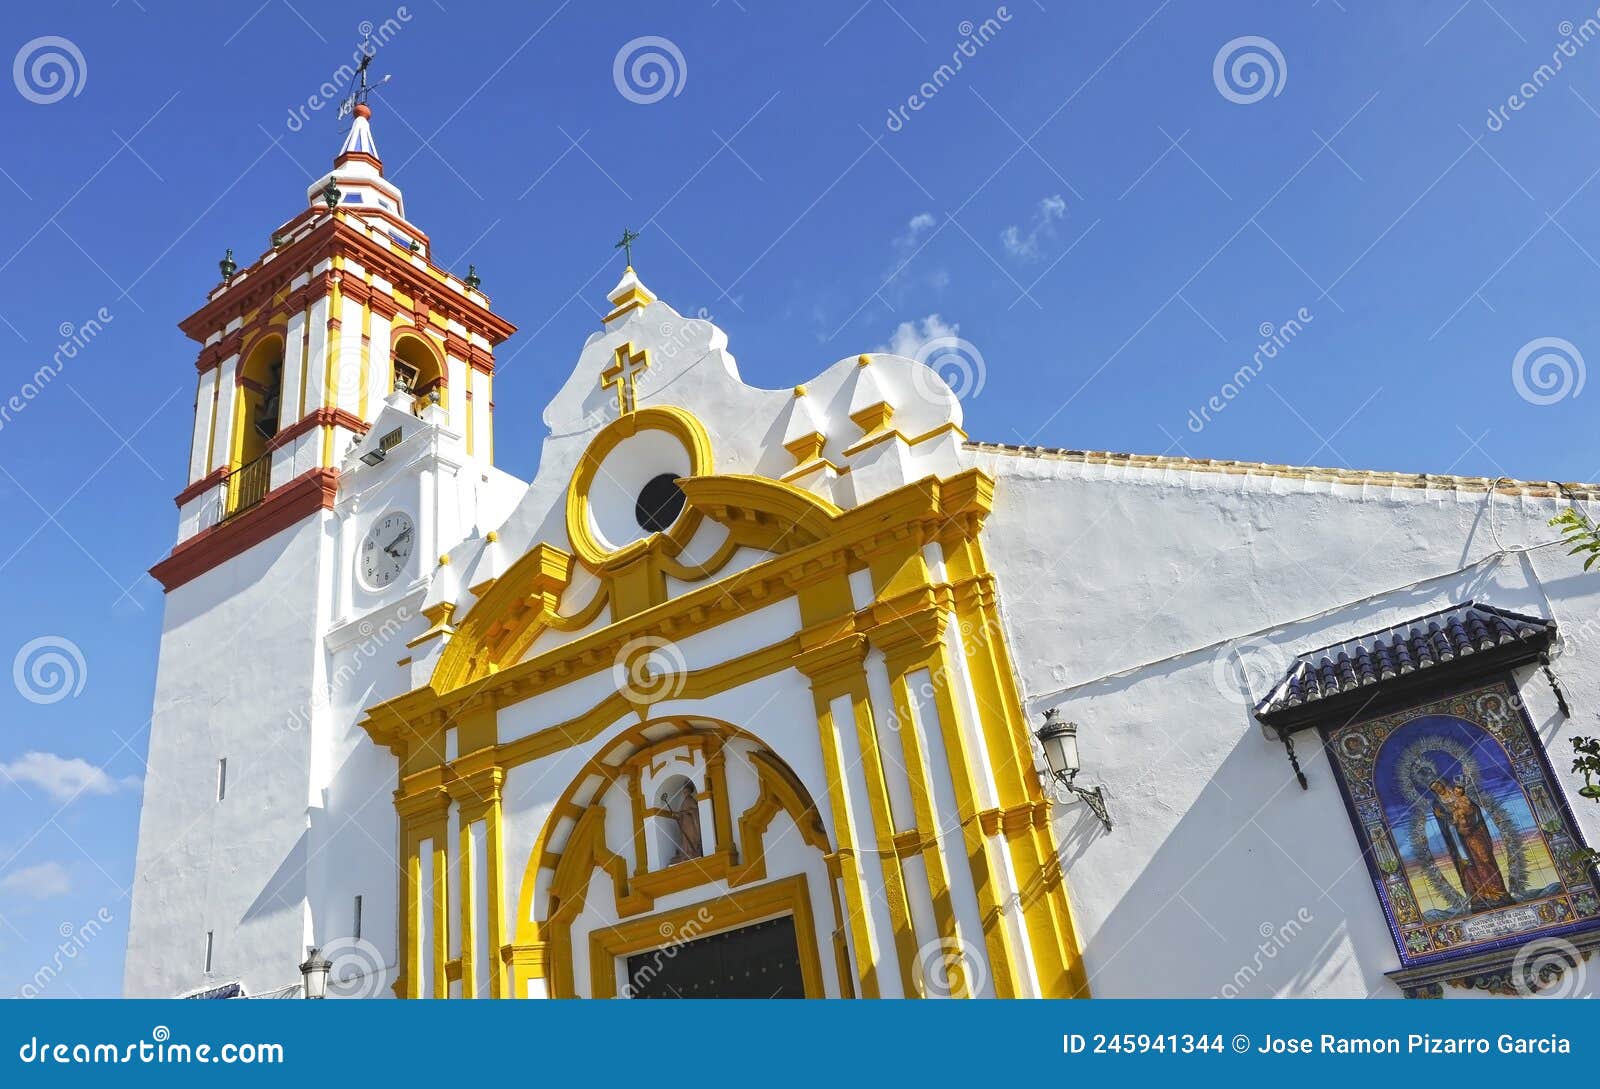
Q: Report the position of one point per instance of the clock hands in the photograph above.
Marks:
(402, 535)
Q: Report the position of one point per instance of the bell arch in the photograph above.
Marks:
(260, 380)
(417, 366)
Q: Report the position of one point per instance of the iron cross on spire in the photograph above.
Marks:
(626, 245)
(624, 373)
(361, 88)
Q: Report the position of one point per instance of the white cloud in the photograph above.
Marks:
(1025, 247)
(39, 882)
(915, 227)
(63, 778)
(906, 246)
(909, 337)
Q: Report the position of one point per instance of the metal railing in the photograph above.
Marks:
(248, 484)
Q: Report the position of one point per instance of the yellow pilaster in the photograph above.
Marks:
(423, 819)
(479, 797)
(1025, 824)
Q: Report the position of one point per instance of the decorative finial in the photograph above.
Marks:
(473, 279)
(356, 101)
(626, 245)
(330, 194)
(228, 267)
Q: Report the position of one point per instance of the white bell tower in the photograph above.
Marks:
(343, 441)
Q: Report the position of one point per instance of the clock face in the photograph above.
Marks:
(387, 549)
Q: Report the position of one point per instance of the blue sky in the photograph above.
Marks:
(1107, 227)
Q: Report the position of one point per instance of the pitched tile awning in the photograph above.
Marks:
(1460, 641)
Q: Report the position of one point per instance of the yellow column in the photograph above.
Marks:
(1024, 819)
(834, 670)
(330, 386)
(479, 795)
(423, 818)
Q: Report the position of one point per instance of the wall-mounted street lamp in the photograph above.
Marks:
(1060, 743)
(314, 974)
(330, 194)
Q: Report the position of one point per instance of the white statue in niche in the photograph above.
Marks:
(684, 809)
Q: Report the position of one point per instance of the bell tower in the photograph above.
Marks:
(344, 395)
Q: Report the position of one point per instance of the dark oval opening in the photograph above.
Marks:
(659, 504)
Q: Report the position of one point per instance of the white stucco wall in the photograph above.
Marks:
(1129, 595)
(238, 653)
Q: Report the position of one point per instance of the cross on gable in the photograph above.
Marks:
(624, 373)
(626, 245)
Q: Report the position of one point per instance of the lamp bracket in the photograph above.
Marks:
(1093, 797)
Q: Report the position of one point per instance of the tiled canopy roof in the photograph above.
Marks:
(1459, 639)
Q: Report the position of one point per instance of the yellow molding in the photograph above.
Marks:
(875, 417)
(791, 896)
(806, 448)
(505, 619)
(678, 423)
(861, 535)
(438, 618)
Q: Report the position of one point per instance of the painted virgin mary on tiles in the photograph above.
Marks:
(1452, 801)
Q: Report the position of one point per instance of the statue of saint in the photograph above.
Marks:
(686, 812)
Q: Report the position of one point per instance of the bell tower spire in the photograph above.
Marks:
(343, 440)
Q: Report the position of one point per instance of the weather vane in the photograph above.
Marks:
(626, 245)
(358, 94)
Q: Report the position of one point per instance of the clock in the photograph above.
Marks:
(387, 549)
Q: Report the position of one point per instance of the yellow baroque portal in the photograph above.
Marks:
(910, 681)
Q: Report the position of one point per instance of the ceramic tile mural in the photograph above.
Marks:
(1468, 837)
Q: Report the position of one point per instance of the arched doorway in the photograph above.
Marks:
(686, 859)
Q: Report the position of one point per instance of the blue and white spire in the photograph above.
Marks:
(358, 174)
(359, 140)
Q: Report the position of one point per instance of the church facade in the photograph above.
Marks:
(804, 692)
